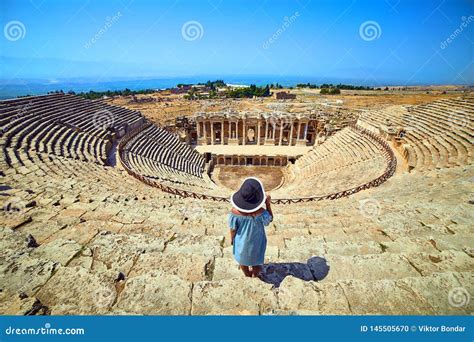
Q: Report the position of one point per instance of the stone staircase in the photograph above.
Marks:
(79, 237)
(145, 252)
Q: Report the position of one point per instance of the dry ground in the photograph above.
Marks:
(233, 176)
(169, 106)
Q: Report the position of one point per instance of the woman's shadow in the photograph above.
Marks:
(316, 268)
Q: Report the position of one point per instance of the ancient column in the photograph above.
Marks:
(222, 132)
(266, 130)
(274, 129)
(305, 130)
(205, 130)
(198, 130)
(290, 135)
(244, 135)
(230, 130)
(258, 131)
(212, 132)
(299, 131)
(281, 132)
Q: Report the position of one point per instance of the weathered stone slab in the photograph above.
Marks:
(82, 233)
(59, 250)
(74, 212)
(76, 291)
(16, 305)
(458, 241)
(23, 274)
(443, 291)
(278, 237)
(333, 233)
(325, 299)
(302, 248)
(14, 220)
(196, 244)
(12, 243)
(369, 267)
(187, 267)
(118, 252)
(165, 234)
(247, 296)
(446, 261)
(384, 297)
(226, 268)
(156, 293)
(126, 217)
(409, 245)
(352, 248)
(41, 230)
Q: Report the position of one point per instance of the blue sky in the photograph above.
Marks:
(321, 41)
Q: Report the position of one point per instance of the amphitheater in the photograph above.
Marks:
(108, 213)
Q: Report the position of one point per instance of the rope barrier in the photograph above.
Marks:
(382, 144)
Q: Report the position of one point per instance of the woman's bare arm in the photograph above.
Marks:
(268, 204)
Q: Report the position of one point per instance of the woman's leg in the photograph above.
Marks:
(256, 270)
(246, 270)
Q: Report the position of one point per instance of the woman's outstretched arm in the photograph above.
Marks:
(268, 204)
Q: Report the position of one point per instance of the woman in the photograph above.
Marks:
(247, 221)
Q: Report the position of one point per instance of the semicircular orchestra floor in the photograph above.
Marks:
(233, 176)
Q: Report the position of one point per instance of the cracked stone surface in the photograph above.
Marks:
(384, 297)
(118, 252)
(188, 267)
(75, 290)
(60, 250)
(110, 245)
(324, 299)
(248, 296)
(156, 293)
(201, 245)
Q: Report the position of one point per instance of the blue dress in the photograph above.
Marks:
(250, 240)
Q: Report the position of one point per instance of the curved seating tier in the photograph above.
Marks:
(438, 134)
(345, 160)
(63, 125)
(156, 154)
